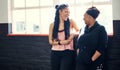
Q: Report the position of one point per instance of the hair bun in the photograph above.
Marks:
(56, 7)
(93, 11)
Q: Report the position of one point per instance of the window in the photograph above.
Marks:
(46, 2)
(67, 1)
(18, 3)
(35, 16)
(18, 21)
(32, 3)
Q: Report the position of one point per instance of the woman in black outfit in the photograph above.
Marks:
(92, 44)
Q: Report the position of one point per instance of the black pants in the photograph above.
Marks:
(63, 60)
(82, 66)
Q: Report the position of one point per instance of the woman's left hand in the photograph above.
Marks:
(64, 42)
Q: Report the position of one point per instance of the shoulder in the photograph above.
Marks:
(71, 21)
(101, 28)
(51, 26)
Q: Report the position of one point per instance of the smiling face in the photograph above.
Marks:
(64, 13)
(86, 18)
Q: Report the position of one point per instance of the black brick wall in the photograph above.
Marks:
(33, 52)
(3, 28)
(28, 52)
(24, 53)
(114, 49)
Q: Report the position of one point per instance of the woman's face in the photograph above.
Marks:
(64, 14)
(86, 18)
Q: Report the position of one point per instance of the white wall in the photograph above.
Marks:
(3, 11)
(116, 9)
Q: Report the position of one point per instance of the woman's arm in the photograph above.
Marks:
(72, 35)
(73, 25)
(96, 55)
(101, 45)
(67, 41)
(51, 41)
(55, 42)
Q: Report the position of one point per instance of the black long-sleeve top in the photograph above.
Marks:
(94, 38)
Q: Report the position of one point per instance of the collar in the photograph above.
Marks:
(91, 28)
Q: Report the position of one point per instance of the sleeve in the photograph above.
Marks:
(102, 40)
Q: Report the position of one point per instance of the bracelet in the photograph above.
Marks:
(59, 42)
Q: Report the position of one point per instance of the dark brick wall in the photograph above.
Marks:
(3, 28)
(116, 27)
(24, 53)
(28, 52)
(33, 52)
(114, 49)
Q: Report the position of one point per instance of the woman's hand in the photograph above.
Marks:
(54, 42)
(64, 42)
(78, 50)
(96, 55)
(71, 36)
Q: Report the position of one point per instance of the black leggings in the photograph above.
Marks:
(63, 60)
